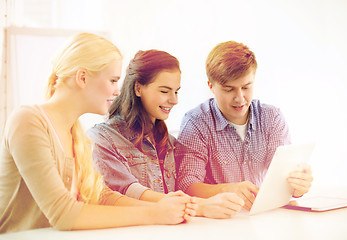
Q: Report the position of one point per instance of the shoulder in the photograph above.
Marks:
(200, 113)
(107, 127)
(100, 132)
(24, 116)
(24, 123)
(267, 116)
(264, 110)
(112, 131)
(31, 111)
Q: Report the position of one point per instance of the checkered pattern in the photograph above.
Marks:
(209, 150)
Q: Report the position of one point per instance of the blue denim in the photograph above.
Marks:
(124, 167)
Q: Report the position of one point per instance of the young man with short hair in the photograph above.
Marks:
(226, 144)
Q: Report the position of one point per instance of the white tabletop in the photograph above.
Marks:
(275, 224)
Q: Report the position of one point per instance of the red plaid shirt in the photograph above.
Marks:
(209, 150)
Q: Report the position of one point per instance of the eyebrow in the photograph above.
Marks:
(227, 86)
(169, 88)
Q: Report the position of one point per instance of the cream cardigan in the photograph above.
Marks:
(36, 176)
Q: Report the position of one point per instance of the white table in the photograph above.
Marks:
(276, 224)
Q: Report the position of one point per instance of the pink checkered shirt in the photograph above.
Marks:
(209, 150)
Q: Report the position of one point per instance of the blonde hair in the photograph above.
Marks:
(92, 53)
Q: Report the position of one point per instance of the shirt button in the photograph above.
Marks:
(244, 163)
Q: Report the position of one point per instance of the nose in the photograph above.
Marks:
(173, 99)
(238, 95)
(116, 91)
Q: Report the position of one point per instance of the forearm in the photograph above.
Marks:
(205, 190)
(152, 196)
(98, 216)
(125, 201)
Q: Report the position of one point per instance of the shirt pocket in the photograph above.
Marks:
(138, 167)
(258, 153)
(224, 158)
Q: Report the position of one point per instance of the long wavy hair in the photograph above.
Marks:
(92, 53)
(143, 68)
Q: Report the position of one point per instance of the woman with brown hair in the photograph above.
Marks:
(133, 149)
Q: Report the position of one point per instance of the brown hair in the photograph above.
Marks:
(229, 61)
(143, 68)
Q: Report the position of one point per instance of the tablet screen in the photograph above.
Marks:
(275, 190)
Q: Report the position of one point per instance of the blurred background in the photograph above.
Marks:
(300, 46)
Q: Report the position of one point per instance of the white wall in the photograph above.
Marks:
(300, 46)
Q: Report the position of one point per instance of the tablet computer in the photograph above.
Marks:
(275, 191)
(317, 203)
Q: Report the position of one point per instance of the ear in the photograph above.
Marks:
(210, 85)
(137, 89)
(80, 78)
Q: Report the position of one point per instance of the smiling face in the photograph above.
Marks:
(234, 98)
(103, 88)
(159, 97)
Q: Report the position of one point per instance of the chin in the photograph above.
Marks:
(101, 112)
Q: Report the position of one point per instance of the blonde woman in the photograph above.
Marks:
(47, 176)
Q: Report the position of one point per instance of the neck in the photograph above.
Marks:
(62, 112)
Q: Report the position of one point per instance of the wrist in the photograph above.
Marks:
(152, 215)
(227, 187)
(201, 202)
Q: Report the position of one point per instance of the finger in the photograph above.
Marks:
(227, 213)
(186, 218)
(307, 168)
(300, 182)
(299, 186)
(190, 212)
(230, 213)
(250, 197)
(254, 189)
(301, 176)
(233, 201)
(192, 206)
(234, 207)
(248, 204)
(234, 198)
(304, 167)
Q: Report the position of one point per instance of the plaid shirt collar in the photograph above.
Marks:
(222, 123)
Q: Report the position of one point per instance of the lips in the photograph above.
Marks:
(238, 108)
(109, 101)
(165, 109)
